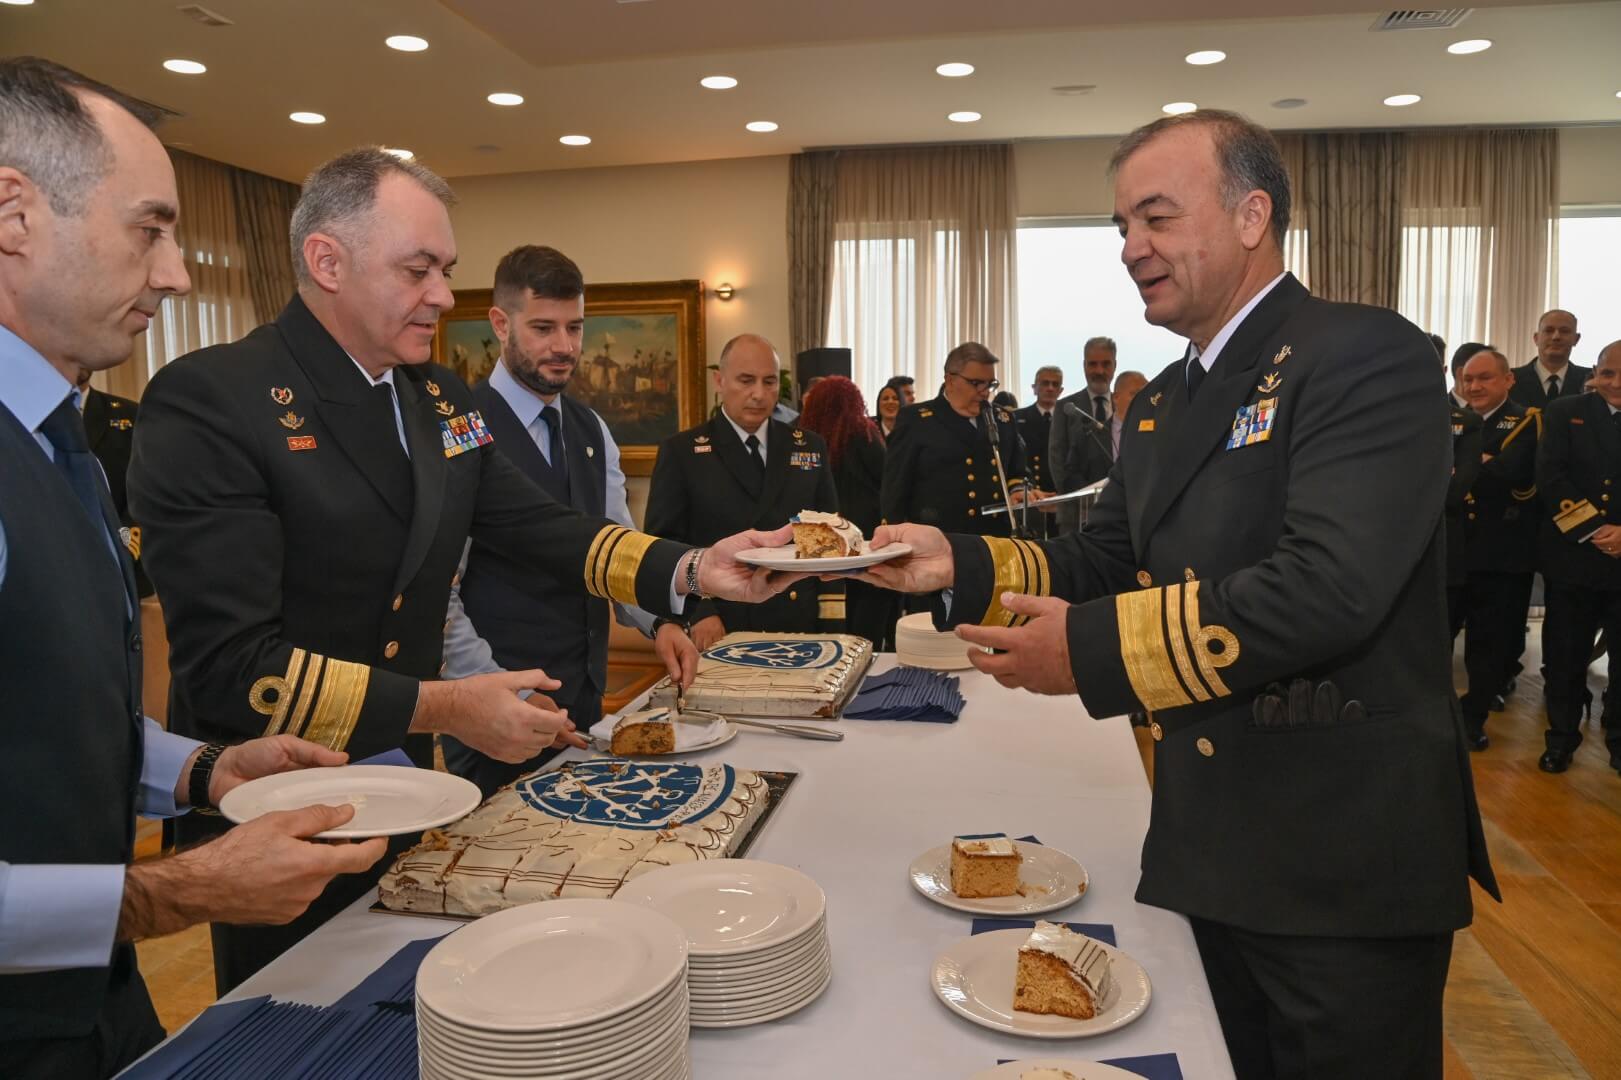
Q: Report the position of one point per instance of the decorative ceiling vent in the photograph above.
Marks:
(198, 13)
(1422, 19)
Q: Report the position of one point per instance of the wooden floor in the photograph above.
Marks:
(1535, 987)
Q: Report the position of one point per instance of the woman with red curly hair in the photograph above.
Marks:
(836, 411)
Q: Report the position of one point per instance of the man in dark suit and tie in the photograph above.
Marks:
(1098, 360)
(742, 469)
(1034, 422)
(502, 618)
(1264, 575)
(1551, 375)
(1092, 456)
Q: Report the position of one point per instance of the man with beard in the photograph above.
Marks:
(503, 617)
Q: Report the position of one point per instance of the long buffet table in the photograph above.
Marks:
(860, 811)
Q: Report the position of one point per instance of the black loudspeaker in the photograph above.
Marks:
(814, 363)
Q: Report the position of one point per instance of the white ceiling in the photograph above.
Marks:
(830, 72)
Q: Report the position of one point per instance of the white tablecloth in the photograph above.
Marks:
(860, 811)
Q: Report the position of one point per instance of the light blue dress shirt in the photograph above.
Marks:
(63, 916)
(466, 653)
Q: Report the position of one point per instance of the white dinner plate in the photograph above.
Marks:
(553, 965)
(765, 1018)
(974, 977)
(628, 1032)
(779, 981)
(1081, 1070)
(782, 558)
(690, 735)
(1048, 878)
(726, 974)
(656, 1049)
(389, 800)
(730, 907)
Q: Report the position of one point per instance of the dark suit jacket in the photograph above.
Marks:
(701, 492)
(1465, 467)
(940, 471)
(109, 425)
(305, 565)
(1578, 473)
(1500, 516)
(1530, 391)
(1215, 572)
(859, 480)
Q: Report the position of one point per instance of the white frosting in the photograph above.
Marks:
(854, 542)
(742, 676)
(992, 845)
(1087, 960)
(644, 716)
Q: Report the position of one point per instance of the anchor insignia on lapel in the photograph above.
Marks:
(432, 388)
(443, 408)
(1154, 401)
(1283, 354)
(292, 421)
(1272, 381)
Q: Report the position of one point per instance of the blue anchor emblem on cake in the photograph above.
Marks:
(628, 794)
(779, 655)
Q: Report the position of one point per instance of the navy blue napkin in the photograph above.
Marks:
(907, 693)
(1149, 1066)
(387, 757)
(209, 1029)
(1101, 931)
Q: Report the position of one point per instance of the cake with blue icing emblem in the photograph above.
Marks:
(753, 674)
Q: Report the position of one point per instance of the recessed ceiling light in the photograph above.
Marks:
(967, 116)
(306, 118)
(717, 82)
(505, 99)
(1205, 56)
(1178, 107)
(761, 125)
(1396, 101)
(1473, 45)
(406, 43)
(954, 70)
(399, 152)
(184, 67)
(575, 140)
(1289, 103)
(17, 3)
(1075, 89)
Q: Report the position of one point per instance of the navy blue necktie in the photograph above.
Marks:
(1196, 374)
(65, 430)
(554, 442)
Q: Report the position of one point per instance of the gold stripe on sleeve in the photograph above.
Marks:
(1203, 637)
(1008, 568)
(306, 694)
(1571, 514)
(623, 562)
(594, 556)
(337, 707)
(1176, 633)
(830, 606)
(1140, 619)
(283, 686)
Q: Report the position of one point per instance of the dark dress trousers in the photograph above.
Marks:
(1265, 576)
(940, 469)
(534, 621)
(1499, 534)
(1578, 476)
(109, 425)
(1531, 391)
(304, 561)
(1466, 430)
(70, 662)
(705, 488)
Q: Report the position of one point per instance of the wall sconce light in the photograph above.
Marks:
(724, 291)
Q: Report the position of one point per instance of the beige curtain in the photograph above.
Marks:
(221, 305)
(1480, 214)
(924, 259)
(811, 180)
(1346, 203)
(1296, 244)
(264, 214)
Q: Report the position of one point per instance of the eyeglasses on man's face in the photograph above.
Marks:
(979, 385)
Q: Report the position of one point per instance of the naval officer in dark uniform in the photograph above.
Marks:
(1466, 431)
(1034, 422)
(109, 424)
(939, 469)
(306, 494)
(1579, 477)
(1264, 575)
(742, 469)
(1499, 536)
(1551, 374)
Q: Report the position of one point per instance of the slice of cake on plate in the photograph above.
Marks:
(1061, 973)
(647, 732)
(825, 536)
(984, 866)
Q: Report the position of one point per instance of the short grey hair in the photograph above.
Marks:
(1502, 360)
(48, 135)
(966, 353)
(743, 339)
(341, 192)
(1249, 156)
(1124, 375)
(1043, 369)
(1098, 343)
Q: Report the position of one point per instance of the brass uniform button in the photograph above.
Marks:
(970, 478)
(1605, 497)
(1188, 574)
(972, 511)
(391, 650)
(398, 600)
(1205, 747)
(968, 461)
(1144, 579)
(1471, 517)
(970, 494)
(1606, 483)
(793, 594)
(1157, 731)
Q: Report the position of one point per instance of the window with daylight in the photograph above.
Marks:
(1589, 238)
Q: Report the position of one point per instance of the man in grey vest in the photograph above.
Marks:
(502, 618)
(87, 255)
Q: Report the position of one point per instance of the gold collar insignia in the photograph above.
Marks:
(292, 421)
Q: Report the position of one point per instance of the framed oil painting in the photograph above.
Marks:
(642, 360)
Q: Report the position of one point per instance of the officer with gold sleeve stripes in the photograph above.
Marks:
(1579, 475)
(307, 492)
(1264, 574)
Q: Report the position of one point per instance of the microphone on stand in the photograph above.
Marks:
(988, 411)
(1098, 427)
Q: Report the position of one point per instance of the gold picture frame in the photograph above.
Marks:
(642, 361)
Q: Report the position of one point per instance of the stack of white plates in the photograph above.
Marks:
(757, 933)
(919, 644)
(568, 988)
